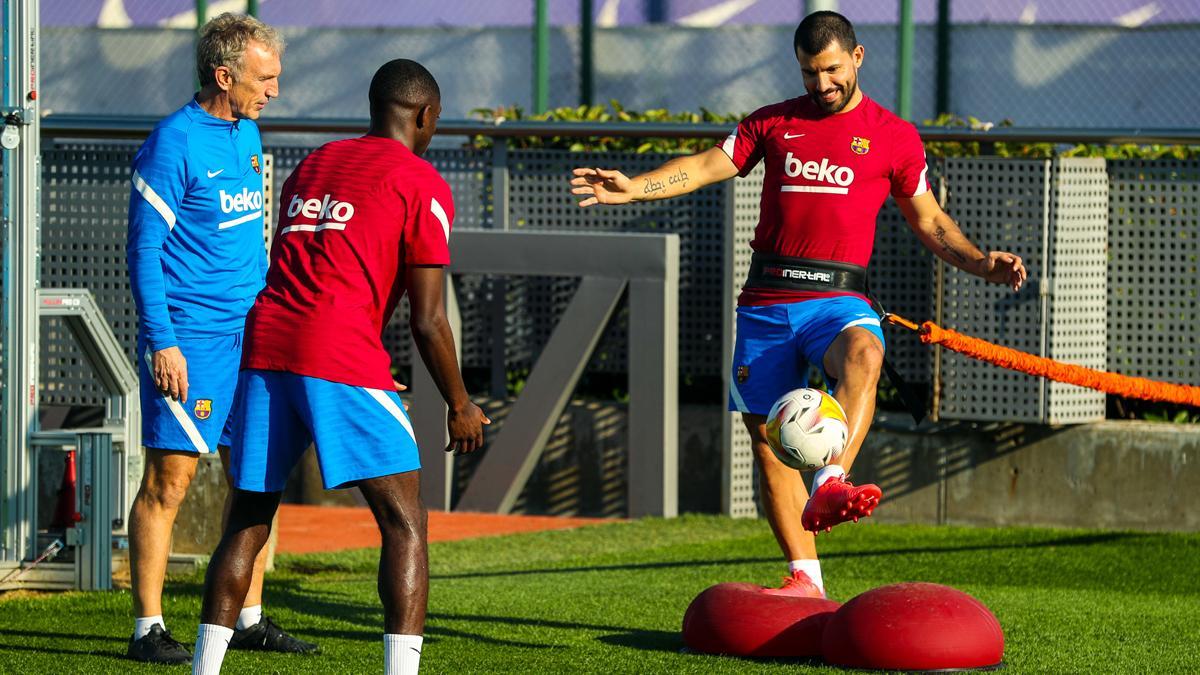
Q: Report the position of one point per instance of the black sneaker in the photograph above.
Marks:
(267, 636)
(158, 646)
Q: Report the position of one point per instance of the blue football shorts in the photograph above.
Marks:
(776, 344)
(360, 433)
(199, 424)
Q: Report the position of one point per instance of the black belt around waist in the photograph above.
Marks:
(802, 274)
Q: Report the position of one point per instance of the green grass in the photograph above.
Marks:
(609, 599)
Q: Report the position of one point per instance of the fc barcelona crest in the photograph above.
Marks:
(860, 145)
(258, 167)
(203, 409)
(743, 374)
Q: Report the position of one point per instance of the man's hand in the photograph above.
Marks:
(466, 429)
(400, 387)
(170, 373)
(1003, 268)
(604, 186)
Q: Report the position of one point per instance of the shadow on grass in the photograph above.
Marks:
(1072, 540)
(672, 643)
(107, 655)
(69, 637)
(648, 640)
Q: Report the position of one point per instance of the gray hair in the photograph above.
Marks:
(223, 42)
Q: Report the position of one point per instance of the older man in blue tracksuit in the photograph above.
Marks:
(196, 262)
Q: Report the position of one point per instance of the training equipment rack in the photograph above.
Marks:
(101, 493)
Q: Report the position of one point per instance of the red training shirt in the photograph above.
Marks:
(352, 216)
(826, 178)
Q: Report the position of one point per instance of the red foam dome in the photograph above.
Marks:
(913, 626)
(741, 620)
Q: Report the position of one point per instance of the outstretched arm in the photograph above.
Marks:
(676, 177)
(435, 342)
(940, 234)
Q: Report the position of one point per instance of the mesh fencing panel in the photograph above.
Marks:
(1154, 264)
(742, 498)
(1075, 321)
(85, 202)
(1002, 203)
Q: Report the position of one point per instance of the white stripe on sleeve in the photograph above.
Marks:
(922, 184)
(153, 199)
(440, 214)
(727, 146)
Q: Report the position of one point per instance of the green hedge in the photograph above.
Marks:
(615, 112)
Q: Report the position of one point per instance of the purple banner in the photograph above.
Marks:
(609, 13)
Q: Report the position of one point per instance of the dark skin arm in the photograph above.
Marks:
(435, 342)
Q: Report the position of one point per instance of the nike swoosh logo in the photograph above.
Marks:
(214, 174)
(787, 136)
(1036, 65)
(418, 651)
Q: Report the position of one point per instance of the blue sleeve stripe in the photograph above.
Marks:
(238, 221)
(154, 200)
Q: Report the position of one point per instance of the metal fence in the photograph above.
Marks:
(1102, 239)
(1069, 63)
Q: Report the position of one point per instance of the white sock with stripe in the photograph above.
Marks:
(212, 641)
(402, 654)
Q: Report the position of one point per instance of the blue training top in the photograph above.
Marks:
(195, 248)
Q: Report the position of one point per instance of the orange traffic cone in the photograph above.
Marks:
(65, 514)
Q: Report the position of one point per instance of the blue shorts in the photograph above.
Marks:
(199, 424)
(360, 433)
(776, 343)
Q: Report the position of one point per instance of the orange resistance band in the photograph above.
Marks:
(1112, 383)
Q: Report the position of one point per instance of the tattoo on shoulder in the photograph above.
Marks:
(940, 235)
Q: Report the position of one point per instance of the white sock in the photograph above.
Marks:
(141, 625)
(212, 641)
(401, 654)
(811, 567)
(825, 473)
(249, 616)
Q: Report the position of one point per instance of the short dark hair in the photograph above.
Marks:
(820, 29)
(403, 83)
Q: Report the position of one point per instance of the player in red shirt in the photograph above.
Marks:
(831, 159)
(362, 221)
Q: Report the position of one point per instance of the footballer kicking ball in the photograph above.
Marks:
(807, 429)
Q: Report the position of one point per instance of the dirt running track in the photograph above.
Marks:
(307, 529)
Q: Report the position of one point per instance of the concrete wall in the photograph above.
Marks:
(1110, 475)
(1113, 474)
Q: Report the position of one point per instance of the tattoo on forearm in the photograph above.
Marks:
(940, 235)
(680, 177)
(652, 186)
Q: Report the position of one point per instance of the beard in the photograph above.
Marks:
(839, 103)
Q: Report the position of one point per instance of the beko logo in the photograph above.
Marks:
(329, 213)
(837, 178)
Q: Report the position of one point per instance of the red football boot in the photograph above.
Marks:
(838, 500)
(799, 585)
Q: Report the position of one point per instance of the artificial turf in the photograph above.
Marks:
(609, 599)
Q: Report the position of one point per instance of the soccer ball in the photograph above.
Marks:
(807, 429)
